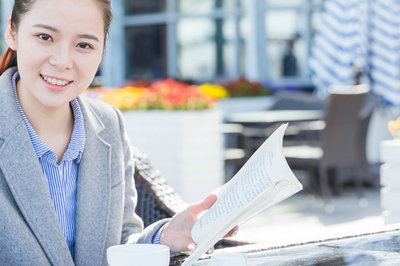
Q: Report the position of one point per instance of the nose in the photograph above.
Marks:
(61, 57)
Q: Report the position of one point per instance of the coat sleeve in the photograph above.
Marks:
(132, 227)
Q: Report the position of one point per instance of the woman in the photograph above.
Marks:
(66, 171)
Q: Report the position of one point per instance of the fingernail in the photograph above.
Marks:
(191, 247)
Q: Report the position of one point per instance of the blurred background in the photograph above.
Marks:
(209, 40)
(208, 81)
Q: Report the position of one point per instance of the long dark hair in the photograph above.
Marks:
(9, 58)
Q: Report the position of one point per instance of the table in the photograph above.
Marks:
(259, 125)
(274, 116)
(378, 248)
(304, 126)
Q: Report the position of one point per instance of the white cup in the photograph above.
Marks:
(138, 255)
(228, 259)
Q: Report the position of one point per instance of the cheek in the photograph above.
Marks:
(88, 64)
(86, 68)
(28, 59)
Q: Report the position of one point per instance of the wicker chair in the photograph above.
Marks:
(156, 199)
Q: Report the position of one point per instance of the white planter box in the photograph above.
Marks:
(185, 146)
(390, 180)
(390, 175)
(390, 151)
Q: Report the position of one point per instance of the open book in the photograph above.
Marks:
(262, 182)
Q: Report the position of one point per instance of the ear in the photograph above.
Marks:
(10, 36)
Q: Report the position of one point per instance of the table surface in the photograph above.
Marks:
(274, 116)
(379, 248)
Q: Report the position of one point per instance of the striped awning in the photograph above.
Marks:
(359, 36)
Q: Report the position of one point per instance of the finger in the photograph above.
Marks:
(203, 205)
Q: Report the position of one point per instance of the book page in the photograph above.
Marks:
(263, 181)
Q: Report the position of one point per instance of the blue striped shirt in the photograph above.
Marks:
(61, 178)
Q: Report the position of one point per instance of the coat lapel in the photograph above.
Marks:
(93, 196)
(22, 171)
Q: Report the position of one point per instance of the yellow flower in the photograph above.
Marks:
(215, 91)
(124, 98)
(163, 95)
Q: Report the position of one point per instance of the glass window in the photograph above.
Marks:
(286, 58)
(204, 5)
(230, 55)
(205, 48)
(285, 48)
(282, 24)
(134, 7)
(316, 17)
(229, 4)
(146, 52)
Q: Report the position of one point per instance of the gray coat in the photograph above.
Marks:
(30, 233)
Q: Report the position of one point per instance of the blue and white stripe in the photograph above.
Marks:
(384, 49)
(336, 45)
(157, 236)
(61, 178)
(365, 33)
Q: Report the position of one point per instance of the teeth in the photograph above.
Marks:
(55, 81)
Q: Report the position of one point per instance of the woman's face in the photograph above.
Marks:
(59, 48)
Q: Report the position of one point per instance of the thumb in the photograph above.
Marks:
(203, 205)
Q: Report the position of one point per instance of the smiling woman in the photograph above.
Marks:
(62, 52)
(63, 65)
(66, 168)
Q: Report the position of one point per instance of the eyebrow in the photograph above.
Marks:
(83, 36)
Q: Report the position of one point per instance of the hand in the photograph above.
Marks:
(177, 232)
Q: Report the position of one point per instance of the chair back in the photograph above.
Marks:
(340, 139)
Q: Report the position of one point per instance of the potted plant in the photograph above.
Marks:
(178, 128)
(245, 95)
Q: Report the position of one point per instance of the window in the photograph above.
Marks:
(289, 30)
(197, 6)
(213, 40)
(205, 48)
(146, 52)
(134, 7)
(285, 45)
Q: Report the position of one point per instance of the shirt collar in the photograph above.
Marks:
(77, 142)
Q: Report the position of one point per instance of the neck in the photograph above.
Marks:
(51, 122)
(53, 125)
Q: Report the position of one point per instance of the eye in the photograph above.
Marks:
(45, 37)
(85, 46)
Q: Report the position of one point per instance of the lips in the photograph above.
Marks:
(55, 81)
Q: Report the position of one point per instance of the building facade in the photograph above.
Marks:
(208, 40)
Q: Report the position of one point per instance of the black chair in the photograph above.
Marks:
(342, 145)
